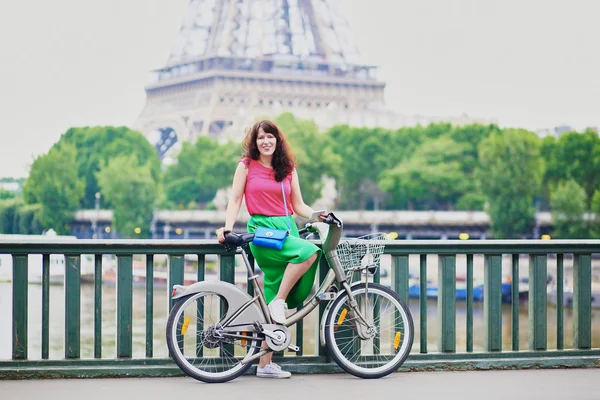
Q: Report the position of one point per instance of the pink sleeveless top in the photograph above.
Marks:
(263, 192)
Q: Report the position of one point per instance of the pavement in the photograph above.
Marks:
(546, 384)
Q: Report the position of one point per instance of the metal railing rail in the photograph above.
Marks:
(537, 352)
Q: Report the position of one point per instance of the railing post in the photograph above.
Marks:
(19, 313)
(582, 301)
(423, 303)
(322, 350)
(200, 307)
(492, 302)
(538, 273)
(469, 327)
(560, 342)
(447, 304)
(72, 306)
(150, 305)
(45, 306)
(227, 274)
(400, 276)
(124, 306)
(515, 302)
(176, 277)
(98, 306)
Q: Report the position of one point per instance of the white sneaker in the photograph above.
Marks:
(277, 309)
(272, 370)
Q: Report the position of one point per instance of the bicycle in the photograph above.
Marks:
(366, 326)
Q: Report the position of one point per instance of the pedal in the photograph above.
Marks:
(294, 348)
(326, 296)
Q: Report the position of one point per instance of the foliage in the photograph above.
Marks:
(432, 177)
(96, 146)
(54, 184)
(595, 215)
(568, 203)
(27, 216)
(7, 194)
(8, 213)
(438, 167)
(132, 194)
(202, 168)
(438, 172)
(19, 218)
(573, 156)
(361, 155)
(313, 157)
(510, 173)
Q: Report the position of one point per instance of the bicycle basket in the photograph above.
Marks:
(361, 252)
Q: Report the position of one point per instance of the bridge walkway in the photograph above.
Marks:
(543, 384)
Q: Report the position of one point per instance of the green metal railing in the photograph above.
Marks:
(402, 256)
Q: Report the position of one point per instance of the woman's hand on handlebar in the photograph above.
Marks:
(221, 234)
(322, 216)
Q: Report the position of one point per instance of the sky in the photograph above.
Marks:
(532, 64)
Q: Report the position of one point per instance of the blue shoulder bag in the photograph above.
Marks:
(270, 237)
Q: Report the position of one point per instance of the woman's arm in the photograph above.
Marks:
(297, 202)
(235, 201)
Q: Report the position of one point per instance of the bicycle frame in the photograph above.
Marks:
(335, 274)
(246, 305)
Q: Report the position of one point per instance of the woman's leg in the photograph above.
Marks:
(266, 359)
(292, 274)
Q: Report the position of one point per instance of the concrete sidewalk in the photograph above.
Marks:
(544, 384)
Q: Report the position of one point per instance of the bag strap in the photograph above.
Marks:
(287, 219)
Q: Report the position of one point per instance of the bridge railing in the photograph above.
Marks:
(480, 325)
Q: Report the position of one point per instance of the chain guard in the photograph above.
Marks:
(283, 332)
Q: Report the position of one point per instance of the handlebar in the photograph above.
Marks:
(234, 240)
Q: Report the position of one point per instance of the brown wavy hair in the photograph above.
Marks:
(283, 161)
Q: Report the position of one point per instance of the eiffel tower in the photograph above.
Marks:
(235, 61)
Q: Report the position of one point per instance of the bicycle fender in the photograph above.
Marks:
(234, 295)
(326, 311)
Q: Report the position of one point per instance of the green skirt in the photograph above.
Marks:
(274, 262)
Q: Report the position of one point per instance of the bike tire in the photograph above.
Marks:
(341, 337)
(194, 366)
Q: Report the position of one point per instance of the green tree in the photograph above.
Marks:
(179, 179)
(132, 194)
(574, 156)
(313, 156)
(552, 175)
(54, 184)
(201, 170)
(360, 156)
(595, 215)
(8, 214)
(510, 174)
(96, 146)
(6, 194)
(216, 171)
(28, 219)
(568, 202)
(432, 178)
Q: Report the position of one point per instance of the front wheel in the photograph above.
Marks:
(198, 344)
(378, 348)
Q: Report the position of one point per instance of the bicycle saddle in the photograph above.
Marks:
(236, 239)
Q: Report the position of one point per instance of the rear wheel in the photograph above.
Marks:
(197, 344)
(378, 348)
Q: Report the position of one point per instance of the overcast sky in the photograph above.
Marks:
(527, 63)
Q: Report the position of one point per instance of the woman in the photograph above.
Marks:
(289, 273)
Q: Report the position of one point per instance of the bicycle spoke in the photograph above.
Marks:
(386, 345)
(199, 345)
